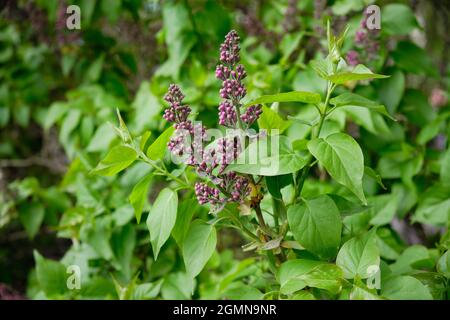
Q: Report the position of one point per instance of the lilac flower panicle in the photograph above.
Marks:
(177, 112)
(211, 163)
(229, 50)
(233, 90)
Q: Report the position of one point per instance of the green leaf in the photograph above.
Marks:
(289, 44)
(123, 244)
(186, 210)
(122, 130)
(118, 158)
(295, 275)
(322, 67)
(383, 209)
(51, 275)
(147, 291)
(358, 255)
(352, 99)
(365, 118)
(269, 156)
(432, 129)
(158, 148)
(177, 286)
(98, 237)
(414, 59)
(276, 183)
(101, 139)
(362, 293)
(303, 295)
(198, 246)
(179, 36)
(146, 107)
(342, 157)
(54, 113)
(316, 225)
(270, 119)
(443, 265)
(411, 259)
(95, 69)
(360, 72)
(398, 19)
(445, 169)
(434, 206)
(293, 96)
(161, 218)
(405, 288)
(368, 171)
(144, 139)
(31, 216)
(403, 164)
(138, 196)
(69, 124)
(390, 91)
(344, 7)
(243, 292)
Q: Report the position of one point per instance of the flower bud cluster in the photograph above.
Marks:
(366, 41)
(211, 164)
(233, 90)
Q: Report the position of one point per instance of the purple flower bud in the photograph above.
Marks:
(373, 47)
(360, 37)
(222, 72)
(439, 142)
(206, 194)
(227, 114)
(352, 58)
(176, 112)
(228, 150)
(236, 185)
(174, 94)
(229, 50)
(438, 98)
(233, 90)
(185, 125)
(363, 22)
(240, 72)
(251, 114)
(176, 145)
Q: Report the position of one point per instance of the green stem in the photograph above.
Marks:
(272, 262)
(163, 171)
(260, 217)
(303, 173)
(240, 226)
(237, 107)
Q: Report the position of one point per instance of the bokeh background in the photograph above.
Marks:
(59, 90)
